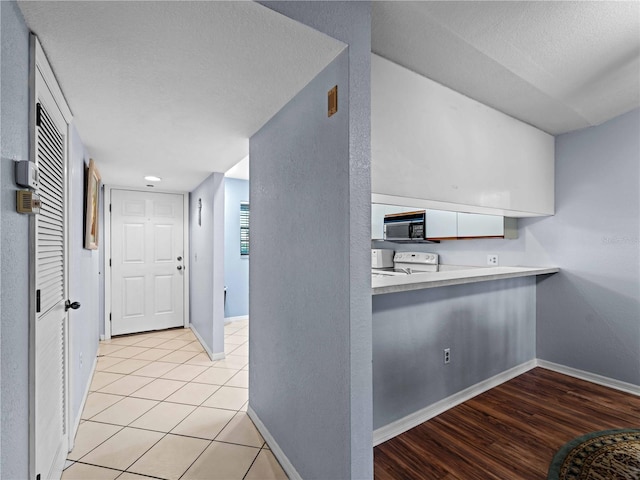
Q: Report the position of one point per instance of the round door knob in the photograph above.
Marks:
(73, 306)
(179, 267)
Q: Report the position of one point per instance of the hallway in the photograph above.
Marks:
(159, 407)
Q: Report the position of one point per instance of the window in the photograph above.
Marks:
(244, 228)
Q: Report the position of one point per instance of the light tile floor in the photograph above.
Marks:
(159, 408)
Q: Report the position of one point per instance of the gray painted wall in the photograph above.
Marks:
(589, 314)
(84, 282)
(206, 266)
(14, 270)
(299, 295)
(311, 329)
(350, 22)
(236, 266)
(489, 327)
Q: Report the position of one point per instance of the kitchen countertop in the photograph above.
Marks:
(451, 275)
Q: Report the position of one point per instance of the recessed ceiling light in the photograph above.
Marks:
(152, 178)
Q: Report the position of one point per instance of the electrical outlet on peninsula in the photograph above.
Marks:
(447, 355)
(492, 260)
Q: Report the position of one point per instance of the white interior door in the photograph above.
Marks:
(49, 407)
(147, 261)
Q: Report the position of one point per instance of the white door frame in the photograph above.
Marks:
(107, 251)
(40, 63)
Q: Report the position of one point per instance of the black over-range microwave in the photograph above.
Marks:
(405, 226)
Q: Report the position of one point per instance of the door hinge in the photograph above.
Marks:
(38, 477)
(109, 207)
(109, 317)
(109, 262)
(37, 301)
(38, 114)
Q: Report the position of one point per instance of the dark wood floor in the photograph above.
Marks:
(510, 432)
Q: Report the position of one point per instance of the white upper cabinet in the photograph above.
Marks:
(474, 225)
(435, 148)
(441, 224)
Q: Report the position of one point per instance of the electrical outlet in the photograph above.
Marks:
(492, 260)
(447, 355)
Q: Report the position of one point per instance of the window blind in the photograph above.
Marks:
(244, 228)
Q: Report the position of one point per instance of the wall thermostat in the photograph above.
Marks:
(28, 202)
(27, 174)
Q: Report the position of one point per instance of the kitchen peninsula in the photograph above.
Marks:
(436, 347)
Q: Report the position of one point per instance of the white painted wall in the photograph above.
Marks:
(431, 144)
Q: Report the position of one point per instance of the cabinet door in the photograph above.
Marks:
(442, 224)
(475, 225)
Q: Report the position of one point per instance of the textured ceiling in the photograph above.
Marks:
(174, 89)
(559, 66)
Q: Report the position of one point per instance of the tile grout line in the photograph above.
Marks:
(146, 451)
(211, 442)
(195, 460)
(123, 427)
(254, 461)
(98, 413)
(100, 466)
(215, 439)
(228, 443)
(114, 433)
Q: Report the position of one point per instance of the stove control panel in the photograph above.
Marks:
(422, 258)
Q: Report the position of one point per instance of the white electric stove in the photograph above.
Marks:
(414, 262)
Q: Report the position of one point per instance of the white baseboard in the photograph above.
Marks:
(235, 319)
(76, 421)
(591, 377)
(287, 466)
(212, 356)
(401, 425)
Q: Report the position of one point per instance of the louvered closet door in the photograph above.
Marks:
(50, 332)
